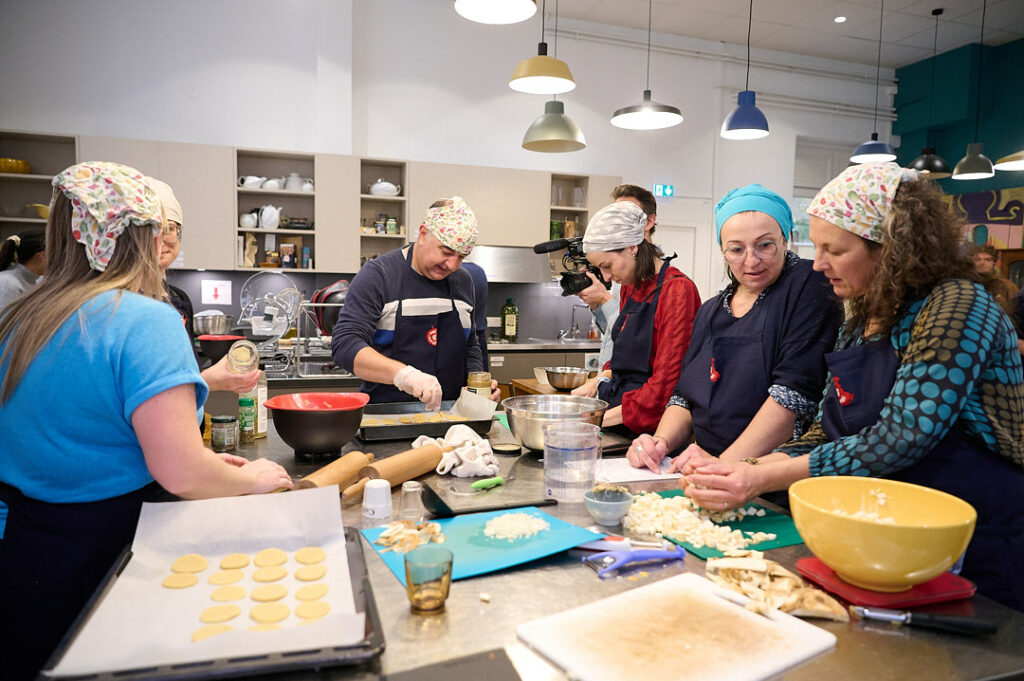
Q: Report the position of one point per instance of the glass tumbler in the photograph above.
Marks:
(410, 506)
(428, 578)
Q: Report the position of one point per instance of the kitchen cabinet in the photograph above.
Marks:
(379, 207)
(506, 366)
(510, 204)
(336, 213)
(46, 155)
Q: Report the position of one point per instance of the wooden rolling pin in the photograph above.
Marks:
(342, 472)
(396, 469)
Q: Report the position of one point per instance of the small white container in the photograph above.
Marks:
(377, 499)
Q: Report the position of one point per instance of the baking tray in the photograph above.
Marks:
(410, 431)
(370, 647)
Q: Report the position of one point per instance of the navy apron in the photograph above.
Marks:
(631, 353)
(863, 376)
(52, 558)
(435, 344)
(728, 381)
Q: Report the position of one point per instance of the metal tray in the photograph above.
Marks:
(366, 650)
(410, 431)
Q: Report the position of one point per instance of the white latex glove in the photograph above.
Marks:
(420, 385)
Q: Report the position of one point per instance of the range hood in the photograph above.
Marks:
(513, 265)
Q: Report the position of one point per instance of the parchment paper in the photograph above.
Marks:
(140, 623)
(620, 470)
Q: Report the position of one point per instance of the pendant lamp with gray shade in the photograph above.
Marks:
(496, 11)
(874, 151)
(648, 114)
(930, 162)
(746, 122)
(554, 132)
(976, 165)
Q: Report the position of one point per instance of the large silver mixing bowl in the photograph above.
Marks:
(528, 413)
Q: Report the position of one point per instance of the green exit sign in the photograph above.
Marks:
(664, 190)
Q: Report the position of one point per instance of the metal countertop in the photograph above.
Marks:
(864, 650)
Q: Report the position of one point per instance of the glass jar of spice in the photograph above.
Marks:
(222, 433)
(479, 382)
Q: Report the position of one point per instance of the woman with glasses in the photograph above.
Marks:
(218, 376)
(656, 309)
(755, 368)
(925, 383)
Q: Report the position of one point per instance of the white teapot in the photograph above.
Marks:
(385, 188)
(270, 217)
(248, 220)
(294, 182)
(251, 181)
(307, 185)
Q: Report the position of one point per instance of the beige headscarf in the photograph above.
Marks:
(172, 209)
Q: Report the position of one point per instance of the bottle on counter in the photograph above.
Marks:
(246, 420)
(510, 320)
(259, 398)
(222, 433)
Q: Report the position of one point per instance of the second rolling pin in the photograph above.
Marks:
(341, 472)
(396, 469)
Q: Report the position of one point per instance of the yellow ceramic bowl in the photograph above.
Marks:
(918, 534)
(14, 165)
(42, 210)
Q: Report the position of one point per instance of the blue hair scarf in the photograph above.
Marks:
(753, 197)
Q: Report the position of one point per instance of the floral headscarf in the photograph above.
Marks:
(614, 227)
(105, 198)
(860, 197)
(454, 224)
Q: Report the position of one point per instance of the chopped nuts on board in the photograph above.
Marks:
(680, 519)
(401, 537)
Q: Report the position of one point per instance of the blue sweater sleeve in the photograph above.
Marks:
(359, 316)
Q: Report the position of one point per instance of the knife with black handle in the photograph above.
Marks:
(956, 624)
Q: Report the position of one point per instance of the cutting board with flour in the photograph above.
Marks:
(677, 628)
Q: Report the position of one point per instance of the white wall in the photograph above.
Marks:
(411, 79)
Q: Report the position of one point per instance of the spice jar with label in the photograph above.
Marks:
(479, 382)
(246, 420)
(222, 433)
(392, 225)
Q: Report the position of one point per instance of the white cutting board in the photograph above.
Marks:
(676, 628)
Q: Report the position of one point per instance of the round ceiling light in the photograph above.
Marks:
(496, 11)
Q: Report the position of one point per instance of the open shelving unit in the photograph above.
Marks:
(47, 155)
(371, 206)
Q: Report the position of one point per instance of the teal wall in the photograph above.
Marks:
(1001, 119)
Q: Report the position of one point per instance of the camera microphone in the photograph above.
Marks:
(549, 246)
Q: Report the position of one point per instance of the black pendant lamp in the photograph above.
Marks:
(746, 122)
(874, 151)
(976, 165)
(930, 162)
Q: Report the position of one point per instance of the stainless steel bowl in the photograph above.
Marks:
(213, 324)
(528, 413)
(566, 378)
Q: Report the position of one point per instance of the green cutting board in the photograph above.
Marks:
(776, 523)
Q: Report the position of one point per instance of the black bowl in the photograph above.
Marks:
(216, 347)
(317, 423)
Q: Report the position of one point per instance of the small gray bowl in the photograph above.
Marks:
(607, 508)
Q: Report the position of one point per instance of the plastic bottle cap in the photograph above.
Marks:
(246, 402)
(222, 419)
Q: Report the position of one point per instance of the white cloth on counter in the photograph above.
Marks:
(468, 455)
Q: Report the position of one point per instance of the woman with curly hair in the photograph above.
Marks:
(925, 384)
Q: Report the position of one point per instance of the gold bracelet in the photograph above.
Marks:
(753, 461)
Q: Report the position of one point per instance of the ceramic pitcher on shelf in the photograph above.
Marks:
(293, 183)
(270, 217)
(251, 181)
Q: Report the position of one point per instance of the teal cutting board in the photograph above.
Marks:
(476, 554)
(774, 522)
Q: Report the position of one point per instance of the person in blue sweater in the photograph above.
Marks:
(925, 384)
(407, 326)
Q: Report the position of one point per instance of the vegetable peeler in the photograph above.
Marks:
(609, 561)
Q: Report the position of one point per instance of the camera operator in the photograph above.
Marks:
(604, 304)
(652, 331)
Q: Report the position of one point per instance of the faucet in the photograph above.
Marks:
(574, 327)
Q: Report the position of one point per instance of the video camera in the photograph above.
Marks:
(572, 281)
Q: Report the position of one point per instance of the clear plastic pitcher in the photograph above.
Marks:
(571, 451)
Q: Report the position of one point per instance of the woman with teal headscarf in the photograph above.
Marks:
(754, 372)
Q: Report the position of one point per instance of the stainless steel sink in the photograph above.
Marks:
(562, 341)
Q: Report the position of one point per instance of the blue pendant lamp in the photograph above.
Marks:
(930, 162)
(976, 165)
(746, 122)
(874, 151)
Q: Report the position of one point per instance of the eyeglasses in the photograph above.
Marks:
(172, 234)
(763, 250)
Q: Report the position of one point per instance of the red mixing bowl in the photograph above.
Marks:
(216, 346)
(317, 423)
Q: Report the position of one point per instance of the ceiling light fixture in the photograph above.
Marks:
(976, 165)
(647, 115)
(554, 132)
(874, 151)
(746, 122)
(542, 75)
(496, 11)
(1011, 162)
(840, 20)
(930, 162)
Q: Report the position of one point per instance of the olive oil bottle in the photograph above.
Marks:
(510, 320)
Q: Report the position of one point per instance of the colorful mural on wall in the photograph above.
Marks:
(994, 217)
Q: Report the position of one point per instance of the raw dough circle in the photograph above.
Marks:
(266, 613)
(234, 561)
(310, 555)
(265, 627)
(208, 631)
(219, 613)
(310, 573)
(312, 610)
(268, 557)
(269, 574)
(228, 593)
(226, 577)
(180, 580)
(311, 592)
(269, 592)
(190, 562)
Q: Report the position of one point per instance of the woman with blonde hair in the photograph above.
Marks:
(925, 384)
(99, 401)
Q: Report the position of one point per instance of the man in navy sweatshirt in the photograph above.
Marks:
(407, 325)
